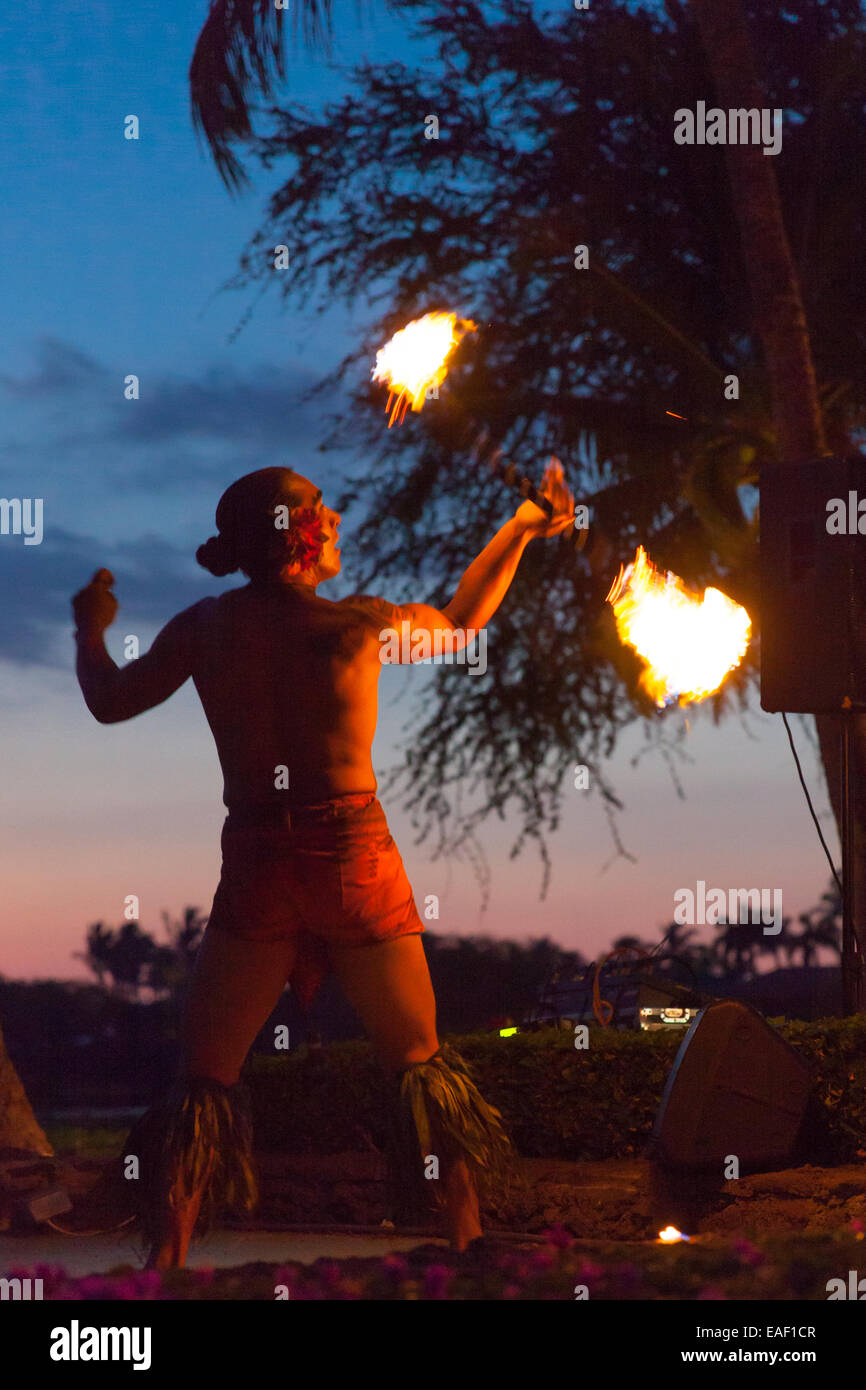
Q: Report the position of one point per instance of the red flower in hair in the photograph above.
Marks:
(304, 540)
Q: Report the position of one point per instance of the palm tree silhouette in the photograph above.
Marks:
(240, 49)
(820, 927)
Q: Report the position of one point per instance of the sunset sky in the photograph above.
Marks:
(112, 255)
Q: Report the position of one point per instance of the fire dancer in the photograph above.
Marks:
(311, 878)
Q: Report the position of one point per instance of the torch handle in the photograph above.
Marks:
(509, 474)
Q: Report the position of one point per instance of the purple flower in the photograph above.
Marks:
(329, 1272)
(629, 1276)
(436, 1281)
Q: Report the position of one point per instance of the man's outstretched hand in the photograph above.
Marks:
(554, 487)
(95, 606)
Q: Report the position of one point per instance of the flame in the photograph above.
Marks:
(689, 643)
(415, 359)
(670, 1235)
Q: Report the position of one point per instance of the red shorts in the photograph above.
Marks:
(321, 874)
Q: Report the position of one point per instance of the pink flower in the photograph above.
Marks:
(511, 1291)
(559, 1236)
(711, 1293)
(395, 1266)
(304, 540)
(53, 1277)
(130, 1290)
(94, 1286)
(148, 1283)
(542, 1259)
(748, 1254)
(587, 1271)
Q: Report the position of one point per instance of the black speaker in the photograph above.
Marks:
(736, 1087)
(813, 585)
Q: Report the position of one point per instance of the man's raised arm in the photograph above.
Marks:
(487, 580)
(114, 693)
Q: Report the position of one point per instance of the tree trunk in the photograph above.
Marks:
(19, 1128)
(780, 320)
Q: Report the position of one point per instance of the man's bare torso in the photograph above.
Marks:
(290, 680)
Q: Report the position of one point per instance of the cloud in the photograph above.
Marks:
(153, 580)
(259, 407)
(110, 469)
(255, 414)
(59, 367)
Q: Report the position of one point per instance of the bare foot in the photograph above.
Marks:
(461, 1207)
(171, 1251)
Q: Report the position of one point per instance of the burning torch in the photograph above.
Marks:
(688, 643)
(413, 361)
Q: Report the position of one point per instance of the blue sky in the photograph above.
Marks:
(112, 253)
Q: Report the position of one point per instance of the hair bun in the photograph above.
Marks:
(216, 557)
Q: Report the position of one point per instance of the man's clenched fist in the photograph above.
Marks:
(95, 606)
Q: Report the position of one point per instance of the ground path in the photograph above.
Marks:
(309, 1201)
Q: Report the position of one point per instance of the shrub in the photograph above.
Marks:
(557, 1101)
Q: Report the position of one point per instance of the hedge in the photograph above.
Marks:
(557, 1101)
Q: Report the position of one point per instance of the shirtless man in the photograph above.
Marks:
(289, 683)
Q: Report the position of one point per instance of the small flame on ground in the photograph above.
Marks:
(415, 359)
(689, 643)
(670, 1235)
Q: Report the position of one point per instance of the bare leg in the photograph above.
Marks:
(389, 987)
(235, 986)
